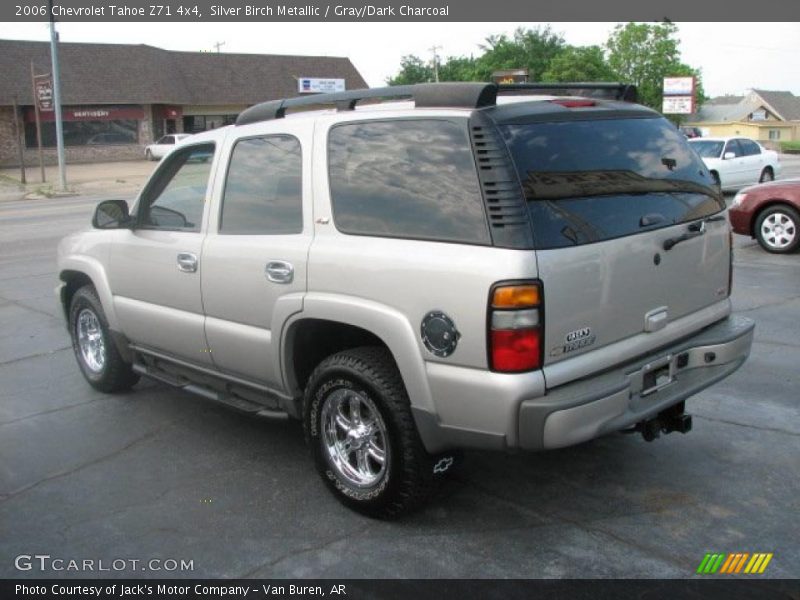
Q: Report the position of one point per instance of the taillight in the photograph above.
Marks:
(515, 326)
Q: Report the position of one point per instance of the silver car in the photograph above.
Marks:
(460, 266)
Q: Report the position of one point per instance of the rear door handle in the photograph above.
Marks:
(187, 262)
(279, 271)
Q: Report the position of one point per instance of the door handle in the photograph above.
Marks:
(279, 271)
(187, 262)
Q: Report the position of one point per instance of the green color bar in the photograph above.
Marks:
(718, 564)
(703, 563)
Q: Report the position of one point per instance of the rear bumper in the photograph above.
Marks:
(480, 409)
(580, 411)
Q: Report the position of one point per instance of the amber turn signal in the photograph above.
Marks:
(516, 296)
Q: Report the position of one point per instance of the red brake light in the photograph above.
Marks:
(515, 350)
(574, 103)
(515, 322)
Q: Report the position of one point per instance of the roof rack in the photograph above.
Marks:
(433, 95)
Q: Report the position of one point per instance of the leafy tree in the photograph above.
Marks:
(531, 49)
(579, 63)
(643, 54)
(412, 70)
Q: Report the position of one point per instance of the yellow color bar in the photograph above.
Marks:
(757, 558)
(765, 563)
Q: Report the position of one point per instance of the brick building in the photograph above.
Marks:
(118, 98)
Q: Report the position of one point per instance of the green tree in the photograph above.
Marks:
(412, 70)
(579, 63)
(643, 54)
(531, 49)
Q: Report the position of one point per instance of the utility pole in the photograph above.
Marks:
(62, 174)
(435, 62)
(218, 45)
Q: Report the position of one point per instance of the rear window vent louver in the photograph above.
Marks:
(505, 204)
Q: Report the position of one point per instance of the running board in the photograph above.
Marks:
(229, 397)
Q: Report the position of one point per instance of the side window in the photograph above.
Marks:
(406, 178)
(263, 191)
(167, 139)
(733, 146)
(749, 147)
(175, 199)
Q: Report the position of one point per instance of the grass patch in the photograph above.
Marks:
(791, 147)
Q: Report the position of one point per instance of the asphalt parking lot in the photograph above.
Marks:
(159, 473)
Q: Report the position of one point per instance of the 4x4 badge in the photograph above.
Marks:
(580, 338)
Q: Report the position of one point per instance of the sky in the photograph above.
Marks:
(733, 57)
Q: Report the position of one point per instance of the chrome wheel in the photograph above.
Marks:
(778, 230)
(90, 340)
(354, 438)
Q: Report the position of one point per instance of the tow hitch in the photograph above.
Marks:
(672, 419)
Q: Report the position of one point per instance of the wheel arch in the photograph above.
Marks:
(76, 272)
(347, 322)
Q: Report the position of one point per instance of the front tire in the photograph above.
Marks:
(777, 229)
(97, 356)
(148, 155)
(362, 436)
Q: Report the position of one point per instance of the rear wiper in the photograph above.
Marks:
(694, 230)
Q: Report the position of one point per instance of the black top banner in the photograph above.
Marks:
(397, 10)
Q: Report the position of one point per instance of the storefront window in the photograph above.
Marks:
(85, 133)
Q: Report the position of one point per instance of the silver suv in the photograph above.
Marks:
(445, 266)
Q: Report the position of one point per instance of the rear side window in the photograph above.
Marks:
(406, 178)
(733, 146)
(594, 180)
(263, 192)
(749, 147)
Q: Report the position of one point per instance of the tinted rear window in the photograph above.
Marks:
(406, 178)
(589, 181)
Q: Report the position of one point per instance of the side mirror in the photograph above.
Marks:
(728, 155)
(111, 214)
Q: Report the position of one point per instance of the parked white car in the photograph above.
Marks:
(736, 162)
(164, 145)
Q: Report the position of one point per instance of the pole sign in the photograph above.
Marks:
(44, 92)
(317, 85)
(678, 95)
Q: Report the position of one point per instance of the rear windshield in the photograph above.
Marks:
(594, 180)
(707, 149)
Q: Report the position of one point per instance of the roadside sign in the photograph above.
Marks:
(678, 86)
(44, 92)
(678, 105)
(317, 85)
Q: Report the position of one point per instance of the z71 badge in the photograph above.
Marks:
(580, 338)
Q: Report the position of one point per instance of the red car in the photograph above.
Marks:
(769, 212)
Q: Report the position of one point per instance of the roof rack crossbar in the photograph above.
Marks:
(431, 95)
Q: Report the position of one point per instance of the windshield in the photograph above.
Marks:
(707, 149)
(593, 180)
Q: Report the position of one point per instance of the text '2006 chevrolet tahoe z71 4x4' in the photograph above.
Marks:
(446, 266)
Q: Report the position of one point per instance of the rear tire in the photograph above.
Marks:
(97, 355)
(361, 433)
(778, 229)
(766, 175)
